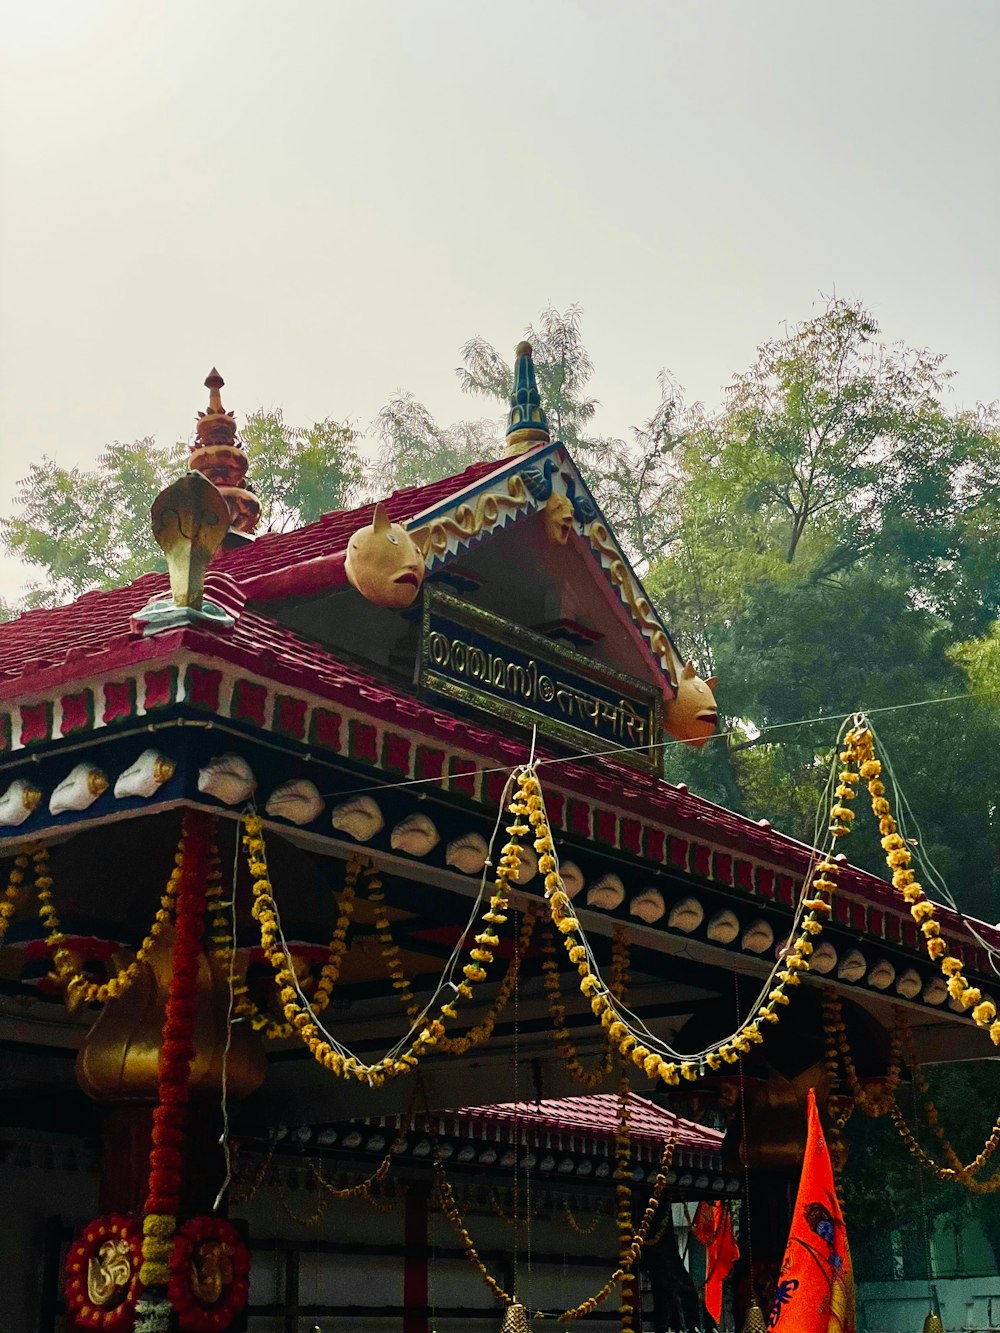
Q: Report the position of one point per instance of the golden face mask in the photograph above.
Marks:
(384, 563)
(693, 715)
(558, 519)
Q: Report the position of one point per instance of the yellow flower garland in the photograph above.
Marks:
(575, 1226)
(628, 1044)
(15, 889)
(330, 972)
(898, 858)
(76, 984)
(588, 1078)
(302, 1016)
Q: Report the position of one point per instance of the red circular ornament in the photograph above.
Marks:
(102, 1274)
(209, 1275)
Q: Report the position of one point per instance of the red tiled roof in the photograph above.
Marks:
(50, 639)
(597, 1115)
(330, 534)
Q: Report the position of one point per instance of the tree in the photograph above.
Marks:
(84, 529)
(415, 450)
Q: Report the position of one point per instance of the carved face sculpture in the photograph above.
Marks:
(558, 519)
(384, 563)
(693, 715)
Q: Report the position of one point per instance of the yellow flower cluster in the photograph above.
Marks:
(574, 1225)
(630, 1046)
(589, 1078)
(446, 1202)
(157, 1246)
(15, 889)
(964, 1172)
(330, 972)
(302, 1017)
(898, 858)
(79, 987)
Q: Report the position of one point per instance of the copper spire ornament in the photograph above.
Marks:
(218, 455)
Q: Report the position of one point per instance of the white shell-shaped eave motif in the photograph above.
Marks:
(467, 853)
(146, 776)
(360, 817)
(687, 915)
(79, 789)
(20, 800)
(758, 937)
(227, 777)
(852, 966)
(723, 927)
(608, 892)
(648, 905)
(415, 835)
(528, 867)
(908, 984)
(572, 878)
(882, 974)
(823, 958)
(935, 990)
(297, 800)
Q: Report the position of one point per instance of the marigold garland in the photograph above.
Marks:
(14, 891)
(898, 858)
(330, 972)
(602, 1002)
(575, 1226)
(302, 1016)
(76, 984)
(588, 1078)
(446, 1200)
(176, 1054)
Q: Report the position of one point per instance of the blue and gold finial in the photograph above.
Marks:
(526, 422)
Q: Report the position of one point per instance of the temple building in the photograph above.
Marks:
(359, 966)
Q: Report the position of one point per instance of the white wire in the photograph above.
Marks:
(224, 1140)
(446, 980)
(904, 813)
(633, 1022)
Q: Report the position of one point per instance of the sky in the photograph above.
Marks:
(327, 198)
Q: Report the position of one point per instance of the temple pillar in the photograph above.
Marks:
(118, 1067)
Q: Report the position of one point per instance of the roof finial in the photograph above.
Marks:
(526, 422)
(218, 455)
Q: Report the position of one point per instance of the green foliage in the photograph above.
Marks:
(415, 450)
(84, 529)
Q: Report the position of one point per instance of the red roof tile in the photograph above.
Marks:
(596, 1115)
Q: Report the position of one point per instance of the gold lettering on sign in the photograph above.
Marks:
(530, 684)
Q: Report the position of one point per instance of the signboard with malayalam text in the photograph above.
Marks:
(477, 659)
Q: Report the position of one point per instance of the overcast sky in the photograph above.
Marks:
(325, 198)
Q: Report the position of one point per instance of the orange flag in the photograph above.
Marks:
(815, 1291)
(713, 1226)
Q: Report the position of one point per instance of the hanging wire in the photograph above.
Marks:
(230, 1020)
(909, 824)
(746, 1154)
(446, 980)
(549, 760)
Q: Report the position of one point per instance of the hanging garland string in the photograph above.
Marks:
(445, 1197)
(875, 1101)
(224, 945)
(623, 1204)
(303, 1017)
(898, 858)
(588, 1078)
(633, 1042)
(483, 1030)
(14, 891)
(575, 1226)
(176, 1054)
(76, 983)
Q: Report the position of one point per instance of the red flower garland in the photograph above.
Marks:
(177, 1051)
(231, 1262)
(119, 1315)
